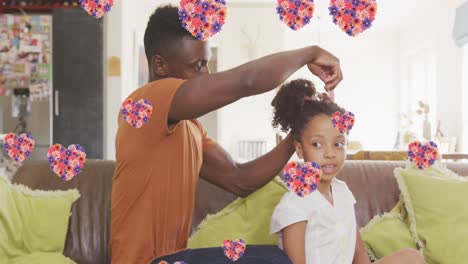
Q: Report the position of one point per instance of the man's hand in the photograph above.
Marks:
(326, 67)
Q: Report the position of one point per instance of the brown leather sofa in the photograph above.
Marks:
(372, 183)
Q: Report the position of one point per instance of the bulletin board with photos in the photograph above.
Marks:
(26, 55)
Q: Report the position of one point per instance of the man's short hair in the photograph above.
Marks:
(163, 32)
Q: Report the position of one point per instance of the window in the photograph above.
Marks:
(465, 100)
(419, 84)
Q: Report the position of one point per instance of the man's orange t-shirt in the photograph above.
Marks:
(154, 182)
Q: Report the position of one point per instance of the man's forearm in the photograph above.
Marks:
(209, 92)
(268, 72)
(253, 175)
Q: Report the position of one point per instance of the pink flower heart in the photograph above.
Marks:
(136, 113)
(344, 122)
(234, 249)
(202, 18)
(422, 155)
(66, 163)
(353, 16)
(97, 8)
(19, 147)
(295, 13)
(302, 179)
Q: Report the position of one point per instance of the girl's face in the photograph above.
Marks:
(323, 144)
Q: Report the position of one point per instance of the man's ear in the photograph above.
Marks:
(298, 147)
(160, 67)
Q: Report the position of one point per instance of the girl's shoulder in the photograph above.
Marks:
(340, 185)
(291, 201)
(293, 209)
(342, 189)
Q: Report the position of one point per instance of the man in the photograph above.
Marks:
(158, 165)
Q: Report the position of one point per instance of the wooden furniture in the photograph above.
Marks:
(455, 156)
(279, 138)
(393, 155)
(399, 155)
(36, 6)
(380, 155)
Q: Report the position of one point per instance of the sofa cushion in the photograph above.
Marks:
(247, 219)
(88, 231)
(43, 257)
(32, 221)
(386, 234)
(372, 183)
(373, 186)
(438, 216)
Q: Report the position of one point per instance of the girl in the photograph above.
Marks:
(319, 228)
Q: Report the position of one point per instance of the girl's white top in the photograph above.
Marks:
(331, 229)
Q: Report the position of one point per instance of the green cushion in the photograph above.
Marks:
(247, 219)
(434, 199)
(387, 234)
(380, 243)
(41, 258)
(32, 221)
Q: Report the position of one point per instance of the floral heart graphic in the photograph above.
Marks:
(177, 262)
(344, 122)
(295, 13)
(234, 249)
(423, 155)
(97, 8)
(19, 147)
(202, 18)
(136, 113)
(66, 162)
(302, 179)
(353, 16)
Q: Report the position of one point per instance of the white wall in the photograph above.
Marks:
(465, 100)
(370, 62)
(112, 85)
(370, 65)
(437, 35)
(249, 118)
(121, 36)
